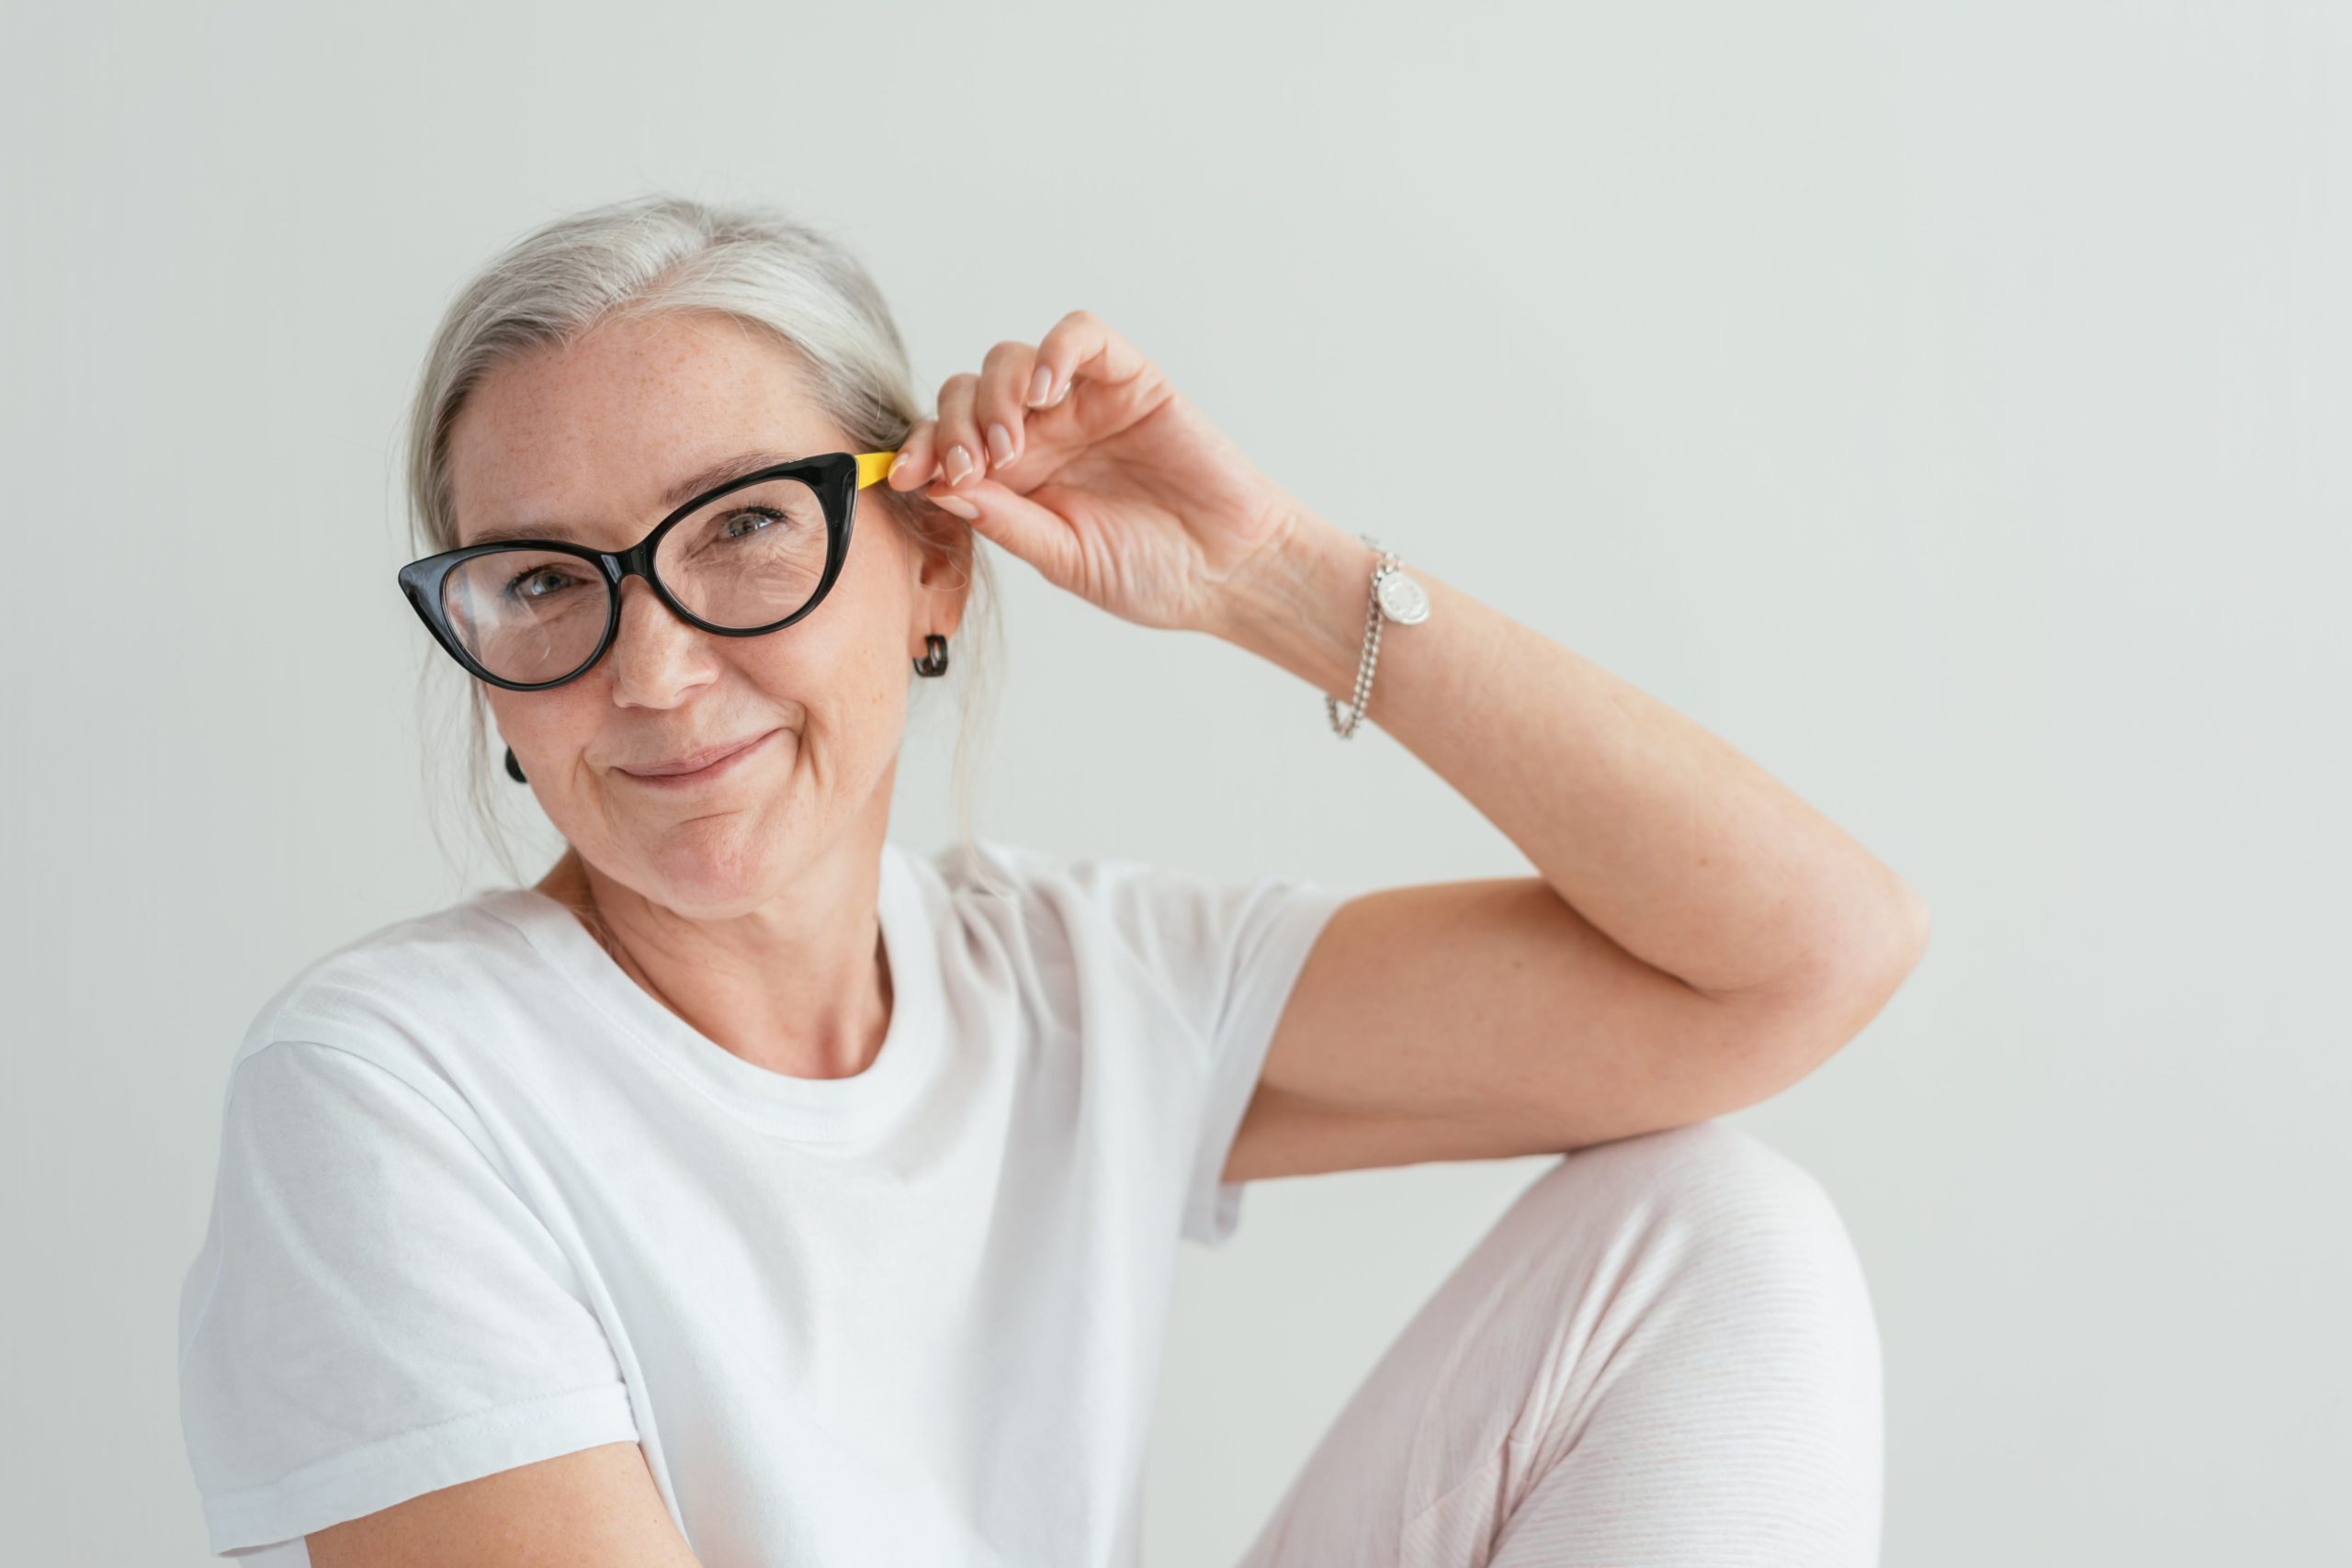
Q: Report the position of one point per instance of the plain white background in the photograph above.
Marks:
(1946, 404)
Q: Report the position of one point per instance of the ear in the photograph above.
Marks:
(945, 555)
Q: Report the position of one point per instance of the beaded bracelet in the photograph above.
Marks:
(1394, 597)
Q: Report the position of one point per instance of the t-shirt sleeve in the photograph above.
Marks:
(1226, 955)
(1259, 934)
(375, 1312)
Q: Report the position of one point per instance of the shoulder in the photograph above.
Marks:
(389, 996)
(1069, 919)
(995, 874)
(1142, 902)
(994, 893)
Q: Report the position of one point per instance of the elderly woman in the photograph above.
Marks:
(752, 1191)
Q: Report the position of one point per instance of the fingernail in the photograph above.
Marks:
(956, 505)
(1059, 393)
(1039, 385)
(960, 463)
(1000, 443)
(905, 460)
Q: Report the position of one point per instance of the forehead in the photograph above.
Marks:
(587, 441)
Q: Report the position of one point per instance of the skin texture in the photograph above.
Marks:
(1696, 937)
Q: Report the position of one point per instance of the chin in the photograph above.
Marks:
(710, 868)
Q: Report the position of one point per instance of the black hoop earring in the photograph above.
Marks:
(935, 659)
(514, 768)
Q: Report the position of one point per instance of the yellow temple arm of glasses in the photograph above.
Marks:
(873, 466)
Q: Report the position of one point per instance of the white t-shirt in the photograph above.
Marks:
(482, 1199)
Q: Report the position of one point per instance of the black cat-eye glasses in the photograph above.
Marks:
(748, 558)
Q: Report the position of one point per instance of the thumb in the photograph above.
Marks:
(1016, 522)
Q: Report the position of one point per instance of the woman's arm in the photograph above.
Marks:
(1700, 937)
(1679, 849)
(590, 1508)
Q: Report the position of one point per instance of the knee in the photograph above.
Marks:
(1717, 1311)
(1722, 1208)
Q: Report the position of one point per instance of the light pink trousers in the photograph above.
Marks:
(1662, 1353)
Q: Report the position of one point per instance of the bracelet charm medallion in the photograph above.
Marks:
(1401, 598)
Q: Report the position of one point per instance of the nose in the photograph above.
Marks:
(656, 658)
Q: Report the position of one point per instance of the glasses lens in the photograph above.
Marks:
(749, 558)
(526, 615)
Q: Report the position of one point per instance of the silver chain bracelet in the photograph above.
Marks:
(1394, 597)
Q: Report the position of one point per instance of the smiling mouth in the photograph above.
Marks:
(697, 764)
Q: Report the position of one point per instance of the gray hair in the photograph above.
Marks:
(650, 255)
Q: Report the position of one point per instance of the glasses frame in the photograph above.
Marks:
(836, 477)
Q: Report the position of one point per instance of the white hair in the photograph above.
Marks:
(650, 255)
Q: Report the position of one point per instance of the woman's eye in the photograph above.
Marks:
(533, 574)
(759, 515)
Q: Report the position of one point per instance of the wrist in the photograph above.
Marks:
(1302, 606)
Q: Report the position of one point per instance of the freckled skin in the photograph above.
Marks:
(746, 903)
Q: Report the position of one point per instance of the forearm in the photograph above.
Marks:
(1685, 853)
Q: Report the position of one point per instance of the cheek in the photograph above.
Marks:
(554, 724)
(562, 729)
(845, 684)
(843, 664)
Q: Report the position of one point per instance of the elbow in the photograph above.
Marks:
(1883, 955)
(1907, 930)
(1871, 948)
(1900, 935)
(1858, 971)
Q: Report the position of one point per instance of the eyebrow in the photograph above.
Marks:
(726, 471)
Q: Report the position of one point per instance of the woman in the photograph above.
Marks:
(752, 1191)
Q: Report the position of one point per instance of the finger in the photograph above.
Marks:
(995, 405)
(1020, 524)
(961, 455)
(1080, 344)
(915, 464)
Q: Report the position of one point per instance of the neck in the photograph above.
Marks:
(784, 1016)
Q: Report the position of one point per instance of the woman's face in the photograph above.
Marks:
(586, 443)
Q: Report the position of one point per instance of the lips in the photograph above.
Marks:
(693, 762)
